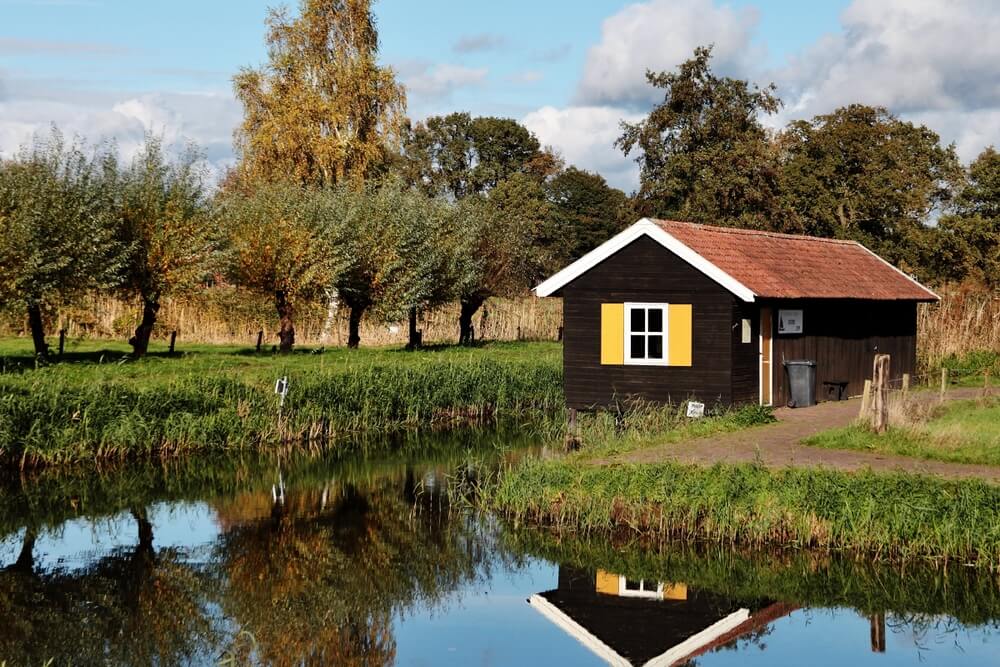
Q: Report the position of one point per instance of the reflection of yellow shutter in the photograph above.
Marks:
(607, 583)
(679, 336)
(675, 591)
(612, 334)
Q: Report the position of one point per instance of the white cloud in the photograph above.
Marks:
(585, 137)
(659, 35)
(526, 77)
(930, 62)
(424, 80)
(31, 106)
(908, 55)
(478, 43)
(20, 46)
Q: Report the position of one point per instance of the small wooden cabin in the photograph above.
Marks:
(668, 311)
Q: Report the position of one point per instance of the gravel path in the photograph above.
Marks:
(777, 445)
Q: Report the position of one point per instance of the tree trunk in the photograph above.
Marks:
(26, 558)
(469, 308)
(286, 331)
(37, 330)
(140, 341)
(145, 529)
(413, 341)
(354, 326)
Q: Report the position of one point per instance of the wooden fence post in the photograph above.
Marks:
(572, 437)
(173, 339)
(906, 384)
(986, 380)
(877, 622)
(866, 399)
(62, 342)
(880, 391)
(944, 382)
(260, 339)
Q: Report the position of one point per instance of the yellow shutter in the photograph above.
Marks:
(607, 583)
(675, 591)
(612, 334)
(679, 335)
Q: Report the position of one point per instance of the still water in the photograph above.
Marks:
(326, 563)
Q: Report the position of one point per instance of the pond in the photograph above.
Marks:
(323, 562)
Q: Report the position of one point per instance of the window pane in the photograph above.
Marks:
(637, 321)
(656, 347)
(632, 585)
(655, 319)
(638, 347)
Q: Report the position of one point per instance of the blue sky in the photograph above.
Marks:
(569, 70)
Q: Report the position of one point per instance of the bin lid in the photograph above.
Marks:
(799, 362)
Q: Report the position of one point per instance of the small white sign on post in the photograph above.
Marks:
(695, 409)
(281, 389)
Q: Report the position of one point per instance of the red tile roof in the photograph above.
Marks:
(787, 266)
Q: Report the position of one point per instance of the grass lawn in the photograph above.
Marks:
(98, 403)
(958, 432)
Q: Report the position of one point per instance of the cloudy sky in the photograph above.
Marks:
(570, 70)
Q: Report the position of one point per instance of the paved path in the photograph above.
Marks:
(777, 445)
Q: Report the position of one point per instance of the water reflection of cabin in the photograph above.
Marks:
(667, 310)
(629, 622)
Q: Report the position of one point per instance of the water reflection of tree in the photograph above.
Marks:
(135, 606)
(319, 580)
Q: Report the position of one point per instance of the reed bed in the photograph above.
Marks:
(229, 316)
(890, 517)
(965, 321)
(62, 415)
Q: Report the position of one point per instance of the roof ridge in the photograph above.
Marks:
(756, 232)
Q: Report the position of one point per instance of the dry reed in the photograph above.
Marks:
(225, 315)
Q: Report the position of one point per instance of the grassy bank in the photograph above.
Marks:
(98, 404)
(958, 432)
(886, 516)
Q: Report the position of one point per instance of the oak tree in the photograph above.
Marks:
(704, 155)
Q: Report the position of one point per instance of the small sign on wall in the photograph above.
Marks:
(695, 410)
(789, 321)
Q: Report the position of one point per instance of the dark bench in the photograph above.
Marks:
(834, 390)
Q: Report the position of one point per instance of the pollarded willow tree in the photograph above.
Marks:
(321, 111)
(279, 243)
(164, 223)
(494, 246)
(57, 227)
(395, 250)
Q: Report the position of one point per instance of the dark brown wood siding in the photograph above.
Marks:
(645, 271)
(842, 337)
(746, 356)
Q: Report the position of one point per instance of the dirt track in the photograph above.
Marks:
(777, 445)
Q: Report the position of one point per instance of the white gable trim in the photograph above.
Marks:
(577, 632)
(673, 655)
(644, 227)
(899, 271)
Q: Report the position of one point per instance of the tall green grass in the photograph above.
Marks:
(57, 417)
(895, 517)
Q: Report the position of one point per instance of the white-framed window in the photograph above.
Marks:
(646, 334)
(632, 588)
